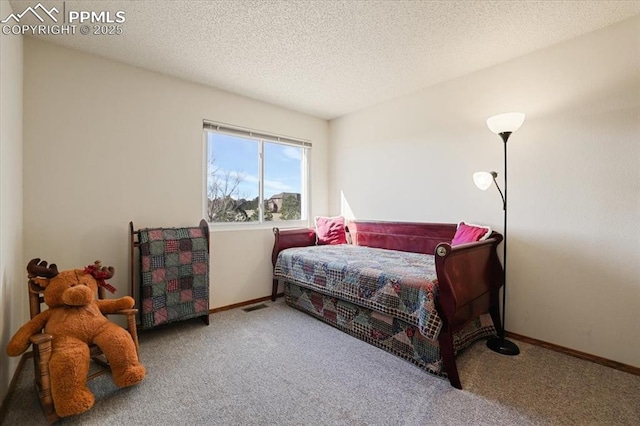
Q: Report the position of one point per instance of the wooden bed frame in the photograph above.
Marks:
(469, 275)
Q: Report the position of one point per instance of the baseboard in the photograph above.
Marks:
(577, 354)
(241, 304)
(4, 407)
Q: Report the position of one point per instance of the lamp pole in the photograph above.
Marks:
(500, 344)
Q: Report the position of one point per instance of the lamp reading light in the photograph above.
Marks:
(483, 180)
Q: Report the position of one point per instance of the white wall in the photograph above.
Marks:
(13, 293)
(107, 143)
(574, 180)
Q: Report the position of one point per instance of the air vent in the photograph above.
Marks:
(255, 307)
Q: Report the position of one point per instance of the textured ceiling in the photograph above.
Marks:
(330, 58)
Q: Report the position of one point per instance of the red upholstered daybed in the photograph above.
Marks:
(400, 286)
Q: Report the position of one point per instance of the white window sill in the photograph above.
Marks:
(243, 226)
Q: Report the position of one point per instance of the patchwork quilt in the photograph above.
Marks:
(174, 275)
(399, 284)
(384, 331)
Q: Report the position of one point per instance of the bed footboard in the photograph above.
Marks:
(288, 238)
(469, 280)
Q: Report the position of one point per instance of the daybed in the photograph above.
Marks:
(399, 286)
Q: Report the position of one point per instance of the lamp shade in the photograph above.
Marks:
(482, 180)
(508, 122)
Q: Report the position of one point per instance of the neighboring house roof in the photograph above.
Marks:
(283, 194)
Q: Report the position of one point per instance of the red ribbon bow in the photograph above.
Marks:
(100, 276)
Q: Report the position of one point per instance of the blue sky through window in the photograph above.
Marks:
(239, 157)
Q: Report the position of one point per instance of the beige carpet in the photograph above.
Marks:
(552, 388)
(280, 366)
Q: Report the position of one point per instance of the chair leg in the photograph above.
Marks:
(41, 357)
(133, 330)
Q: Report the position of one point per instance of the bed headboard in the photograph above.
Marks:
(402, 236)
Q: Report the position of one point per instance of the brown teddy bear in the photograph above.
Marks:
(75, 319)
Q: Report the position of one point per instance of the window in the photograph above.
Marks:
(254, 177)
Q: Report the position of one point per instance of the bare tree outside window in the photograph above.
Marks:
(223, 198)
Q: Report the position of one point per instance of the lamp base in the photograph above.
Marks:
(503, 346)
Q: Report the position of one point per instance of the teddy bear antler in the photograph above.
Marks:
(104, 271)
(109, 271)
(40, 269)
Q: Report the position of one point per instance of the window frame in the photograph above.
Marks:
(260, 137)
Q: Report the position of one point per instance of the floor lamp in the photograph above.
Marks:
(503, 125)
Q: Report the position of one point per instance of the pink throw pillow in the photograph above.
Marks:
(470, 233)
(330, 230)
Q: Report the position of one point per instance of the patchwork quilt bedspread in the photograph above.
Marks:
(400, 284)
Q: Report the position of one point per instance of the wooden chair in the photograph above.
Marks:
(42, 350)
